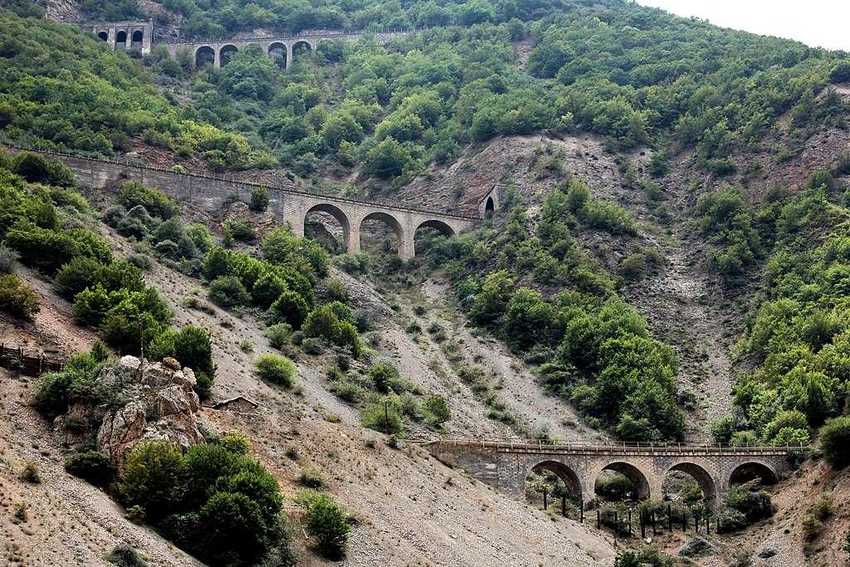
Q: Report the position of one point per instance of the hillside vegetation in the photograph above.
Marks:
(669, 263)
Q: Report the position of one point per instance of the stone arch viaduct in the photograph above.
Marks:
(283, 49)
(210, 193)
(506, 465)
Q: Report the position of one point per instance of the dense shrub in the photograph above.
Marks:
(92, 466)
(39, 169)
(214, 501)
(384, 415)
(277, 369)
(153, 478)
(132, 194)
(192, 347)
(279, 335)
(239, 230)
(290, 308)
(228, 291)
(835, 441)
(755, 505)
(17, 298)
(328, 524)
(259, 199)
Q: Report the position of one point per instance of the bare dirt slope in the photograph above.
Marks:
(67, 521)
(411, 509)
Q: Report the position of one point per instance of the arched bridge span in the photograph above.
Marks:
(506, 465)
(288, 205)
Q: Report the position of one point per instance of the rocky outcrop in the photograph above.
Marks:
(150, 401)
(161, 404)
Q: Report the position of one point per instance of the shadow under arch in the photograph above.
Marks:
(631, 472)
(564, 473)
(204, 55)
(489, 208)
(389, 221)
(300, 48)
(753, 470)
(435, 225)
(226, 53)
(338, 215)
(700, 475)
(277, 53)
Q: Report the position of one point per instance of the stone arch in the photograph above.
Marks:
(405, 249)
(489, 207)
(438, 225)
(204, 55)
(299, 48)
(226, 52)
(703, 478)
(750, 470)
(103, 35)
(563, 472)
(137, 38)
(630, 471)
(338, 215)
(277, 53)
(121, 38)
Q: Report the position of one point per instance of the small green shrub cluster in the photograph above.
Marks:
(277, 369)
(835, 441)
(148, 215)
(744, 507)
(596, 213)
(214, 501)
(327, 523)
(192, 347)
(76, 382)
(333, 322)
(727, 221)
(646, 556)
(17, 298)
(282, 282)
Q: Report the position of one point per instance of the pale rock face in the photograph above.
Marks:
(162, 405)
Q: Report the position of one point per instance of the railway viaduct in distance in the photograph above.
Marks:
(506, 465)
(282, 48)
(210, 193)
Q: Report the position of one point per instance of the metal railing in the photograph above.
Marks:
(319, 34)
(236, 181)
(620, 448)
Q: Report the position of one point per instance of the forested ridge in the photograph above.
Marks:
(652, 172)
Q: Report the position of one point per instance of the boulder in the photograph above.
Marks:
(161, 404)
(696, 547)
